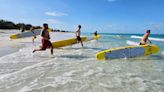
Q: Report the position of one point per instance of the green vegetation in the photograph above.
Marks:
(4, 24)
(11, 25)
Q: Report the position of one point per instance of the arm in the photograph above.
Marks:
(149, 41)
(76, 33)
(48, 36)
(33, 32)
(42, 33)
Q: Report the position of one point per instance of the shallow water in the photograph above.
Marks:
(75, 69)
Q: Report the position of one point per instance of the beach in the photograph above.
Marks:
(75, 69)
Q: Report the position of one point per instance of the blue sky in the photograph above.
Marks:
(110, 16)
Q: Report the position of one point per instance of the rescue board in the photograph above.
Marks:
(127, 52)
(25, 34)
(72, 41)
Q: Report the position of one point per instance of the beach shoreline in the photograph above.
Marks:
(9, 46)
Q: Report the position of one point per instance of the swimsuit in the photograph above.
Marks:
(95, 34)
(46, 44)
(78, 38)
(142, 43)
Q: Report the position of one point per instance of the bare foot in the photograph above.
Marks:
(51, 52)
(33, 51)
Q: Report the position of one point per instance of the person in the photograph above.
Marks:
(22, 29)
(95, 33)
(45, 40)
(34, 35)
(144, 39)
(78, 33)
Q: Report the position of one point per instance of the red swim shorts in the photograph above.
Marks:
(46, 44)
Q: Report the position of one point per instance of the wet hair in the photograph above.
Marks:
(79, 26)
(148, 31)
(45, 24)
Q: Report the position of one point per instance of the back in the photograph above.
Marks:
(45, 34)
(78, 32)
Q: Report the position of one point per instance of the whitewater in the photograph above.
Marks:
(75, 69)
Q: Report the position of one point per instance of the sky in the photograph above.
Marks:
(105, 16)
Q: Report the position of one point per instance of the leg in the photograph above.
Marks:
(51, 50)
(49, 44)
(37, 50)
(33, 40)
(81, 43)
(41, 48)
(79, 40)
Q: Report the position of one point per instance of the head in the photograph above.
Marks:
(148, 31)
(79, 26)
(45, 26)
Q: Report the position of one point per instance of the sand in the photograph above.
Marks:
(8, 45)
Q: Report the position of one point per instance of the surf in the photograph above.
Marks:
(132, 43)
(150, 38)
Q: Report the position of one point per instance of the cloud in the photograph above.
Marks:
(157, 26)
(111, 0)
(56, 14)
(53, 21)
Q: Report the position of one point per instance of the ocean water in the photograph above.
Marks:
(75, 69)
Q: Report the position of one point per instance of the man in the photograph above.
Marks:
(45, 40)
(78, 32)
(95, 33)
(144, 39)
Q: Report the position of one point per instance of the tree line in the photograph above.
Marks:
(4, 24)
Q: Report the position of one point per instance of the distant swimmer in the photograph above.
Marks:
(45, 40)
(144, 39)
(95, 33)
(34, 35)
(78, 33)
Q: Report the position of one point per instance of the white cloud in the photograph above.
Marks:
(111, 0)
(53, 21)
(157, 26)
(56, 14)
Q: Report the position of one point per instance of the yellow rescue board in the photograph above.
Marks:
(27, 34)
(14, 36)
(96, 37)
(66, 42)
(72, 41)
(127, 52)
